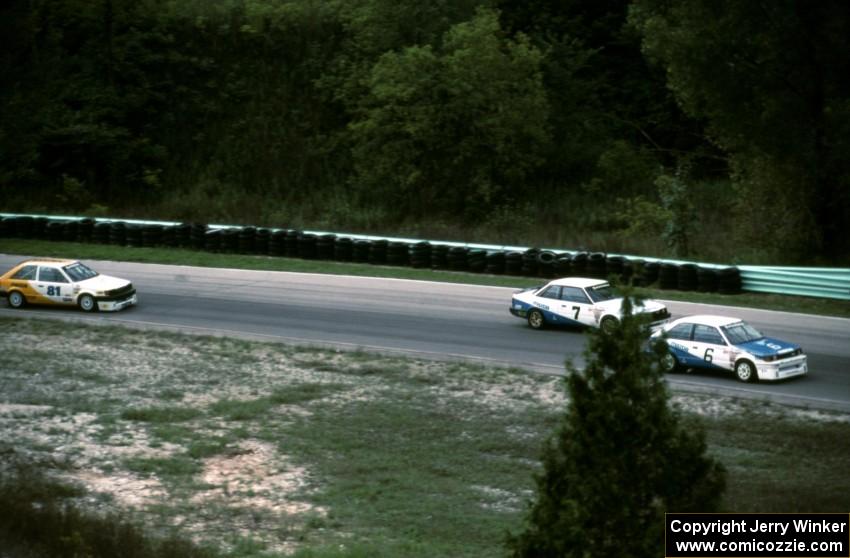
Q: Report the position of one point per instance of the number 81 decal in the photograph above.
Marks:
(54, 291)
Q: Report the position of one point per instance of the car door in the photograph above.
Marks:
(53, 286)
(548, 300)
(708, 348)
(576, 306)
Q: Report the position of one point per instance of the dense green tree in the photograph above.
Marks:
(620, 459)
(453, 129)
(772, 80)
(609, 107)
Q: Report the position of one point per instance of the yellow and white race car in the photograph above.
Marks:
(66, 283)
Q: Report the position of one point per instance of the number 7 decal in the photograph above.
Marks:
(576, 308)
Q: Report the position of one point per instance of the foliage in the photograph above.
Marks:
(620, 459)
(454, 129)
(771, 81)
(38, 518)
(678, 205)
(373, 114)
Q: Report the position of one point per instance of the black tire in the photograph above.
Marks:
(669, 364)
(609, 324)
(746, 372)
(17, 300)
(87, 303)
(536, 319)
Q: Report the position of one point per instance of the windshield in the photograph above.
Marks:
(741, 333)
(601, 292)
(79, 272)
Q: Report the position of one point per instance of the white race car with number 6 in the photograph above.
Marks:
(721, 343)
(579, 301)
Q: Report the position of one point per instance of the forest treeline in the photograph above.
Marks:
(717, 129)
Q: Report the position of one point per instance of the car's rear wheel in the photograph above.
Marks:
(609, 324)
(536, 319)
(87, 303)
(669, 363)
(17, 300)
(746, 371)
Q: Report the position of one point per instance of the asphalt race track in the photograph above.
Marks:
(432, 320)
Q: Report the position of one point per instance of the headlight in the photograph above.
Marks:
(769, 358)
(99, 293)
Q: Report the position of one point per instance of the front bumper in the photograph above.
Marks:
(779, 370)
(113, 305)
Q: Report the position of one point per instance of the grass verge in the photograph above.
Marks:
(177, 256)
(259, 449)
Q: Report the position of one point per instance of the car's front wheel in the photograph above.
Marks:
(17, 300)
(609, 324)
(746, 371)
(87, 303)
(536, 319)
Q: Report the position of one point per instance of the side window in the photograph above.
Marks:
(707, 334)
(574, 294)
(51, 274)
(26, 273)
(551, 292)
(681, 331)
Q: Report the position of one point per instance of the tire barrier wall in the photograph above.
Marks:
(422, 254)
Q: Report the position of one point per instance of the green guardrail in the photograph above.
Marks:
(804, 281)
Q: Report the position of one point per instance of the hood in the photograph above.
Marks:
(103, 283)
(768, 346)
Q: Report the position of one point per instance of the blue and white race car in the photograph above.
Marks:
(721, 343)
(578, 301)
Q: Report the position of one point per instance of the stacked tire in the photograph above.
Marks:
(729, 280)
(668, 276)
(398, 253)
(687, 279)
(564, 265)
(343, 249)
(579, 264)
(362, 250)
(378, 252)
(476, 259)
(420, 255)
(546, 263)
(596, 265)
(325, 246)
(439, 256)
(513, 263)
(529, 262)
(456, 258)
(706, 280)
(495, 262)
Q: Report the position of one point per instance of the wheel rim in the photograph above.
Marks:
(535, 319)
(745, 371)
(16, 299)
(87, 303)
(668, 362)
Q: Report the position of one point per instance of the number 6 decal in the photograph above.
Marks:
(709, 355)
